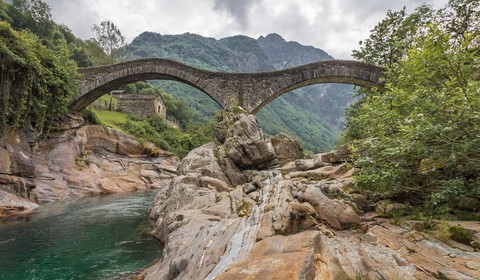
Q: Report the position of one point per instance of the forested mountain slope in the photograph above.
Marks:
(314, 114)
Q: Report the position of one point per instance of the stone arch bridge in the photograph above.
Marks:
(252, 90)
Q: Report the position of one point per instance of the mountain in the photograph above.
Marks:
(233, 54)
(313, 114)
(282, 54)
(327, 101)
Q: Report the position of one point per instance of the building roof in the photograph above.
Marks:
(118, 91)
(138, 96)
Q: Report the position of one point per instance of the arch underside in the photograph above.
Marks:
(257, 106)
(83, 101)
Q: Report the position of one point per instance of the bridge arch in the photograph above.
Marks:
(331, 71)
(252, 90)
(96, 81)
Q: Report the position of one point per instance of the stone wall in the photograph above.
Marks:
(160, 108)
(144, 107)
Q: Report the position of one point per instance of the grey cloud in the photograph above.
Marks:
(335, 26)
(76, 14)
(239, 10)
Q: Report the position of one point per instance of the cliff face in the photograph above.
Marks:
(75, 161)
(236, 211)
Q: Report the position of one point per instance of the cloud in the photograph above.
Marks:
(75, 14)
(239, 10)
(336, 26)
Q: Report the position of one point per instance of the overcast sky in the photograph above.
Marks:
(336, 26)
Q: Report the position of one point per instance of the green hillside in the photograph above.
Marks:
(314, 115)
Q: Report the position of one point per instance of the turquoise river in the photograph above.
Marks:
(103, 237)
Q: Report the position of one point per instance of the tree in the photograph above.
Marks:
(460, 17)
(36, 9)
(392, 36)
(109, 38)
(421, 135)
(36, 83)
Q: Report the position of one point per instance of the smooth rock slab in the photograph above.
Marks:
(278, 257)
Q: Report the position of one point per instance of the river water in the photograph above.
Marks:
(101, 237)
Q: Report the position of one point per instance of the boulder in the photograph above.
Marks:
(304, 164)
(320, 160)
(231, 171)
(247, 145)
(332, 172)
(286, 148)
(11, 205)
(341, 154)
(98, 139)
(204, 161)
(335, 212)
(388, 207)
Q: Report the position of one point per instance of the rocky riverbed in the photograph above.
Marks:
(241, 207)
(247, 207)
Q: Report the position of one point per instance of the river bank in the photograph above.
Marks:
(75, 160)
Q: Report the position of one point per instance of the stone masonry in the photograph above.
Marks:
(141, 105)
(252, 90)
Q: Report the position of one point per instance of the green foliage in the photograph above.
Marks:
(111, 118)
(444, 231)
(89, 116)
(460, 17)
(282, 116)
(460, 234)
(244, 208)
(422, 135)
(37, 84)
(82, 159)
(38, 72)
(155, 130)
(392, 36)
(34, 15)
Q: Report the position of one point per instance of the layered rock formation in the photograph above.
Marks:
(295, 221)
(75, 160)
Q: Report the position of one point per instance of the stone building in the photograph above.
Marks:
(141, 105)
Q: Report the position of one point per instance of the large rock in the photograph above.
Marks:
(336, 212)
(247, 145)
(285, 224)
(202, 160)
(11, 205)
(98, 139)
(286, 148)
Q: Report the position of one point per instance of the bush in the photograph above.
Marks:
(163, 145)
(460, 234)
(89, 116)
